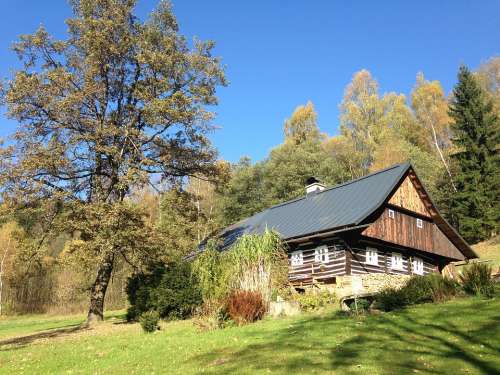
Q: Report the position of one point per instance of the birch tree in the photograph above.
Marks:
(431, 110)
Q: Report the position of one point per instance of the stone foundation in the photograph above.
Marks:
(284, 308)
(365, 284)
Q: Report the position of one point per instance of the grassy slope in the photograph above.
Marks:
(489, 250)
(15, 326)
(458, 337)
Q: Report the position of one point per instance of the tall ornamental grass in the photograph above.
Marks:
(477, 280)
(256, 263)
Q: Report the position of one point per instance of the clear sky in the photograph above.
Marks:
(279, 54)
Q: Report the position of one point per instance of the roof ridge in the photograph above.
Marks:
(406, 163)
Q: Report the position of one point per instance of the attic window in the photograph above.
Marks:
(391, 214)
(297, 258)
(420, 223)
(321, 254)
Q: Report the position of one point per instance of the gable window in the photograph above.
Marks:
(371, 256)
(297, 258)
(420, 223)
(391, 214)
(321, 254)
(418, 266)
(396, 261)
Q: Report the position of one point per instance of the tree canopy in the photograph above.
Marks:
(102, 111)
(475, 206)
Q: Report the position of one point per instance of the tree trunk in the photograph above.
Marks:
(2, 272)
(436, 143)
(98, 291)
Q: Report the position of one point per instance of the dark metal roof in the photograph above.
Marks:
(343, 205)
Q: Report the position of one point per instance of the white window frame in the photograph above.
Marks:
(397, 261)
(297, 258)
(420, 223)
(418, 266)
(371, 256)
(322, 254)
(391, 214)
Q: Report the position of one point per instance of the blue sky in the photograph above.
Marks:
(280, 54)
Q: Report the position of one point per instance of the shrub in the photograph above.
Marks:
(476, 280)
(360, 305)
(418, 289)
(310, 301)
(442, 288)
(171, 290)
(245, 306)
(429, 288)
(149, 321)
(213, 272)
(390, 299)
(212, 315)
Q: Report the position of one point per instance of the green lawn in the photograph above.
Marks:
(33, 324)
(457, 337)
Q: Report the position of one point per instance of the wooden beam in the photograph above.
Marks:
(348, 261)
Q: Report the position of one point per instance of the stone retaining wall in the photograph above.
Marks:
(369, 283)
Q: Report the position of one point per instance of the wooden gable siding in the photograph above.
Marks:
(454, 244)
(407, 197)
(311, 270)
(445, 246)
(402, 230)
(359, 265)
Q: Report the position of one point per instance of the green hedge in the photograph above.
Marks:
(171, 290)
(418, 289)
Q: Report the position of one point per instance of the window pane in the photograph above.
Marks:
(397, 261)
(371, 256)
(297, 258)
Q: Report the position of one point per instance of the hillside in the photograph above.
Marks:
(458, 337)
(489, 250)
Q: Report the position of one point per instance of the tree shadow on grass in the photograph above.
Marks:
(433, 341)
(22, 341)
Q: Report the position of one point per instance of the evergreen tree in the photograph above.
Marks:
(475, 207)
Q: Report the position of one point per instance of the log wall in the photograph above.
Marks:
(321, 272)
(360, 267)
(347, 259)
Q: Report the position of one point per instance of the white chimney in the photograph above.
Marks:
(313, 185)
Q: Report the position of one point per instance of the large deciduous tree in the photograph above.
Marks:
(302, 125)
(367, 120)
(475, 206)
(431, 110)
(488, 76)
(100, 112)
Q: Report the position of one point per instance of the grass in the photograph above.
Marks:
(489, 250)
(458, 337)
(14, 326)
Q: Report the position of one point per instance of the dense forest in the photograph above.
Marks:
(111, 167)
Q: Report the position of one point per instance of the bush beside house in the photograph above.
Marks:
(171, 290)
(477, 280)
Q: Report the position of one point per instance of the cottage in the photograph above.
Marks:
(369, 232)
